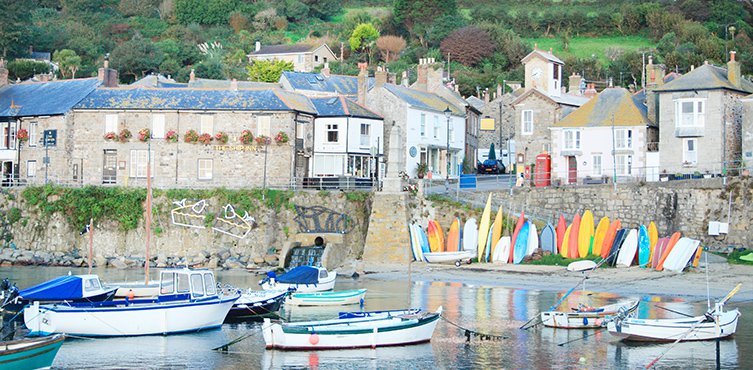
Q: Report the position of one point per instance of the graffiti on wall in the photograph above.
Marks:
(318, 219)
(189, 214)
(231, 223)
(193, 214)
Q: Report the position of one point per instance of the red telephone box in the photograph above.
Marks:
(543, 170)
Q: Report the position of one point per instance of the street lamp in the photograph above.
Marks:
(447, 113)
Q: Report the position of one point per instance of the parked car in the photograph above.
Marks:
(490, 166)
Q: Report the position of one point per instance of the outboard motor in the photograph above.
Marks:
(271, 276)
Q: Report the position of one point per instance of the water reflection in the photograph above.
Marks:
(490, 310)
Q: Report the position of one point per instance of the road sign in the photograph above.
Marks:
(467, 181)
(50, 138)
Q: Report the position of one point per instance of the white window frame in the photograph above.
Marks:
(263, 124)
(451, 128)
(423, 124)
(33, 133)
(526, 122)
(158, 126)
(31, 169)
(596, 167)
(206, 124)
(204, 168)
(111, 123)
(332, 128)
(365, 134)
(574, 139)
(436, 127)
(623, 139)
(137, 169)
(695, 118)
(624, 163)
(690, 157)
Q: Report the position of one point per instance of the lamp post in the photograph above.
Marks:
(447, 113)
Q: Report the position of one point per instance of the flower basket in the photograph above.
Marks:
(281, 138)
(246, 137)
(145, 135)
(171, 136)
(22, 135)
(261, 140)
(124, 135)
(111, 136)
(221, 137)
(205, 139)
(191, 136)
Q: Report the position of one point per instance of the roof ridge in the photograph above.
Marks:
(345, 105)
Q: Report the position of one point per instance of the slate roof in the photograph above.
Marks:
(475, 102)
(423, 100)
(544, 54)
(285, 49)
(339, 106)
(598, 111)
(205, 83)
(44, 98)
(705, 77)
(195, 99)
(572, 100)
(336, 84)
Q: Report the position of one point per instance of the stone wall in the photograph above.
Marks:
(40, 239)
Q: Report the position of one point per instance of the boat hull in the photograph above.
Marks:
(585, 320)
(449, 257)
(29, 353)
(250, 308)
(323, 285)
(130, 320)
(342, 298)
(17, 307)
(669, 330)
(387, 332)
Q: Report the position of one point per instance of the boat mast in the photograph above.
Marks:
(148, 207)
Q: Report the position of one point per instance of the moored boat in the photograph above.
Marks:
(188, 302)
(449, 257)
(67, 288)
(385, 313)
(256, 304)
(29, 353)
(341, 298)
(367, 332)
(587, 317)
(303, 279)
(714, 325)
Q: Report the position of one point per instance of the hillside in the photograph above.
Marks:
(485, 39)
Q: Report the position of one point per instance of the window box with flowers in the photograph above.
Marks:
(261, 140)
(205, 139)
(125, 135)
(110, 136)
(221, 137)
(145, 135)
(22, 135)
(246, 137)
(191, 136)
(171, 136)
(281, 138)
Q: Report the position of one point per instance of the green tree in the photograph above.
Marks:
(268, 70)
(14, 20)
(324, 9)
(417, 16)
(363, 37)
(68, 61)
(24, 69)
(136, 57)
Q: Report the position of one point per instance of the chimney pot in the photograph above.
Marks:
(732, 55)
(733, 70)
(325, 70)
(234, 85)
(257, 46)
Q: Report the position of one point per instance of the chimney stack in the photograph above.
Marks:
(590, 91)
(234, 85)
(405, 80)
(733, 70)
(655, 74)
(486, 95)
(380, 77)
(257, 46)
(391, 78)
(423, 71)
(192, 76)
(574, 84)
(325, 70)
(107, 75)
(3, 73)
(362, 83)
(499, 90)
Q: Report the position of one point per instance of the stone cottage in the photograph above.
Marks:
(305, 57)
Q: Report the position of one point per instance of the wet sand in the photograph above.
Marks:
(632, 281)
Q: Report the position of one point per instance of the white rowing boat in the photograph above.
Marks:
(341, 298)
(717, 324)
(587, 317)
(449, 257)
(367, 332)
(302, 279)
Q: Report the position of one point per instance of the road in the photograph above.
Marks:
(483, 183)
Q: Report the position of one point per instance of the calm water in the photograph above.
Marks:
(492, 310)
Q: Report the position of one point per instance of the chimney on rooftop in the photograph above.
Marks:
(391, 78)
(590, 91)
(362, 83)
(3, 73)
(499, 90)
(655, 74)
(325, 70)
(574, 84)
(733, 70)
(107, 75)
(234, 85)
(422, 71)
(486, 95)
(405, 80)
(380, 77)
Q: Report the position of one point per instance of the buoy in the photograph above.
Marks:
(314, 339)
(130, 294)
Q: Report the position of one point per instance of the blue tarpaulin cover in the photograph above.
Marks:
(58, 289)
(300, 275)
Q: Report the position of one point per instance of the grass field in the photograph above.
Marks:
(586, 47)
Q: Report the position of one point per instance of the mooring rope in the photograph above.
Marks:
(475, 334)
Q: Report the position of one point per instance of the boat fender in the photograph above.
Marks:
(314, 339)
(585, 321)
(130, 294)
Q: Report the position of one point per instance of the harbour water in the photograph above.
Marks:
(494, 310)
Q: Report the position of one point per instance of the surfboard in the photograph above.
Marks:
(533, 238)
(453, 237)
(670, 244)
(514, 239)
(488, 249)
(658, 249)
(413, 242)
(436, 236)
(521, 244)
(599, 235)
(628, 249)
(681, 254)
(502, 250)
(424, 240)
(561, 227)
(572, 243)
(606, 245)
(483, 228)
(697, 257)
(585, 234)
(644, 247)
(497, 229)
(584, 265)
(653, 237)
(470, 235)
(565, 241)
(548, 239)
(616, 245)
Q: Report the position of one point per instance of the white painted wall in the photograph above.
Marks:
(439, 143)
(330, 158)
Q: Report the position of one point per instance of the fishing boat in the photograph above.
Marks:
(341, 298)
(386, 313)
(67, 288)
(586, 317)
(303, 279)
(713, 325)
(256, 304)
(188, 302)
(366, 332)
(29, 353)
